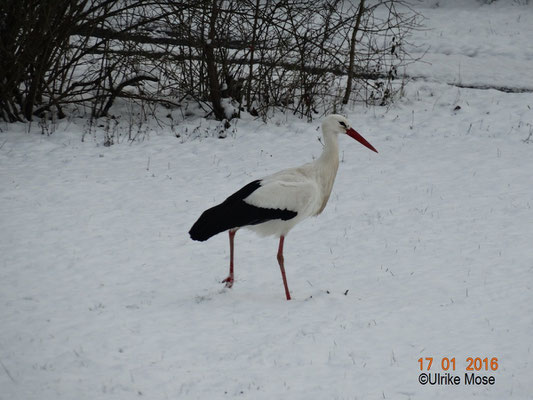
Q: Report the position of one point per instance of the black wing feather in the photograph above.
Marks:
(234, 212)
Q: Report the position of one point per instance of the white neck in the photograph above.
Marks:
(326, 167)
(331, 148)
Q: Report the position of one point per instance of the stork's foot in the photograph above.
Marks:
(228, 281)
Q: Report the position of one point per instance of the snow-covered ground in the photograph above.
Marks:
(424, 250)
(473, 45)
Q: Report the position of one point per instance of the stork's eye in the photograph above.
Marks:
(343, 124)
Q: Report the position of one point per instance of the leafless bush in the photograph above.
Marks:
(228, 55)
(295, 55)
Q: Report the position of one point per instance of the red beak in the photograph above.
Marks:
(352, 133)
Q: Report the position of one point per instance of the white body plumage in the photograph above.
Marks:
(305, 189)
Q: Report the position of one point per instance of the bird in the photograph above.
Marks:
(273, 205)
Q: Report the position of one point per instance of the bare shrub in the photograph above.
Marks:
(229, 56)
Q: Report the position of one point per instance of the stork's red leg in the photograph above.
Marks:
(229, 279)
(282, 267)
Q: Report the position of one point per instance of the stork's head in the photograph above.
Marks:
(335, 123)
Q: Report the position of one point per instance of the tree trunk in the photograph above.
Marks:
(212, 74)
(252, 50)
(352, 52)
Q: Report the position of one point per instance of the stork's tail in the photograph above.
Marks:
(215, 220)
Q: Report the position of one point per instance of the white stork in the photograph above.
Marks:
(275, 204)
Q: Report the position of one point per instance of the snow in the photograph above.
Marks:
(477, 45)
(424, 249)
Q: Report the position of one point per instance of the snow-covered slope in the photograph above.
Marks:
(470, 44)
(424, 250)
